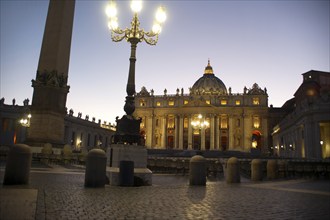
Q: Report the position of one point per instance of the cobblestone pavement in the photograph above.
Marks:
(62, 195)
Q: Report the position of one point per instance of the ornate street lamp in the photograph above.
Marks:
(128, 128)
(199, 124)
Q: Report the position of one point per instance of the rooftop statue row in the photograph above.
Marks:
(25, 102)
(87, 118)
(105, 124)
(255, 90)
(208, 84)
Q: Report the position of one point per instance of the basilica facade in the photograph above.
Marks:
(209, 117)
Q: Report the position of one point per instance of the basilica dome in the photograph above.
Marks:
(208, 84)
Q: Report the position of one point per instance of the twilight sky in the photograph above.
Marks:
(266, 42)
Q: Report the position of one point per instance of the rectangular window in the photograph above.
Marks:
(256, 121)
(208, 102)
(255, 101)
(95, 141)
(171, 103)
(185, 102)
(223, 102)
(185, 123)
(170, 123)
(89, 140)
(142, 124)
(73, 136)
(238, 102)
(142, 103)
(223, 124)
(157, 103)
(100, 141)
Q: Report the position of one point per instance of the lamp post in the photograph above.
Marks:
(200, 124)
(128, 128)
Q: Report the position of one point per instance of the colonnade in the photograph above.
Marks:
(224, 131)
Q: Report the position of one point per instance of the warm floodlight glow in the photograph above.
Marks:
(111, 10)
(160, 15)
(136, 6)
(156, 28)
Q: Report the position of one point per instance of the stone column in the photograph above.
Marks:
(149, 131)
(164, 132)
(202, 138)
(189, 134)
(217, 133)
(50, 85)
(231, 132)
(181, 132)
(212, 133)
(176, 131)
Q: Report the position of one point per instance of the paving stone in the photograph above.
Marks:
(62, 195)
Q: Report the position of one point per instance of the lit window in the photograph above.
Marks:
(255, 101)
(157, 103)
(171, 103)
(170, 123)
(208, 102)
(185, 123)
(256, 121)
(223, 102)
(224, 123)
(185, 102)
(310, 92)
(142, 103)
(238, 102)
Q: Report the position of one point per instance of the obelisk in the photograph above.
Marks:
(50, 86)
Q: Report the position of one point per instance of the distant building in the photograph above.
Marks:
(82, 134)
(305, 130)
(210, 117)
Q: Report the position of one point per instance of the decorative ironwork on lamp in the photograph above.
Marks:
(128, 128)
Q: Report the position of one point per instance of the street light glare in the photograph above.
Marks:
(160, 15)
(111, 10)
(136, 6)
(156, 28)
(113, 24)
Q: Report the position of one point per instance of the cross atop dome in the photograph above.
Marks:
(208, 68)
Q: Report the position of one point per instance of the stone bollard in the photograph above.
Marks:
(271, 169)
(256, 170)
(197, 171)
(18, 165)
(126, 173)
(232, 171)
(282, 168)
(96, 162)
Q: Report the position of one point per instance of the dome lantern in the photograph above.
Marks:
(208, 68)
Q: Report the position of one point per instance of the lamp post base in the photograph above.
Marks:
(127, 131)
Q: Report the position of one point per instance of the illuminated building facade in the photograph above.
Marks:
(210, 117)
(305, 131)
(82, 134)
